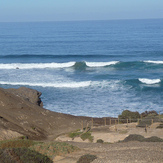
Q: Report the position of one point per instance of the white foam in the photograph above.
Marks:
(155, 62)
(149, 81)
(36, 65)
(101, 64)
(55, 85)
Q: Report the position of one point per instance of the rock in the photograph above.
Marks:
(20, 112)
(28, 94)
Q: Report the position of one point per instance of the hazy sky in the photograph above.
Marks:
(59, 10)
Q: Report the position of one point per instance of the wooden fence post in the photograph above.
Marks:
(104, 121)
(118, 119)
(110, 121)
(127, 122)
(92, 122)
(146, 128)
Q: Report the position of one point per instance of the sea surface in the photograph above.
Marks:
(88, 68)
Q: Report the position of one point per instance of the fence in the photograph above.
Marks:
(141, 122)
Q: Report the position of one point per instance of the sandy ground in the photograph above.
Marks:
(112, 152)
(115, 133)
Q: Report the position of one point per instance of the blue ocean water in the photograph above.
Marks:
(89, 68)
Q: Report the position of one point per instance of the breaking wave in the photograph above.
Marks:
(149, 81)
(155, 62)
(35, 65)
(55, 65)
(55, 85)
(101, 64)
(83, 65)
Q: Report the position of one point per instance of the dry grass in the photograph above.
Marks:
(52, 149)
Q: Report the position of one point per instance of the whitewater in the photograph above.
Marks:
(86, 68)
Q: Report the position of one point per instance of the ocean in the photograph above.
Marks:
(86, 68)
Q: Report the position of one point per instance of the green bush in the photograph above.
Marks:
(88, 136)
(100, 141)
(54, 148)
(86, 158)
(14, 155)
(74, 134)
(153, 139)
(126, 114)
(149, 113)
(16, 143)
(135, 137)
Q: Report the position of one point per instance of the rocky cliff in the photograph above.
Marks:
(21, 112)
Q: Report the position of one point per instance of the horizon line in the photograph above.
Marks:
(35, 21)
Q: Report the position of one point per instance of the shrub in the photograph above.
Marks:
(17, 143)
(15, 155)
(126, 114)
(86, 158)
(100, 141)
(54, 148)
(74, 134)
(88, 136)
(135, 137)
(153, 139)
(149, 113)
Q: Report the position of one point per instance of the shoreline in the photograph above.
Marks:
(22, 112)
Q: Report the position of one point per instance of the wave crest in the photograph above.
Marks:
(36, 65)
(77, 65)
(55, 85)
(155, 62)
(101, 64)
(149, 81)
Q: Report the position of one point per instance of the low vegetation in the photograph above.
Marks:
(100, 141)
(88, 136)
(17, 143)
(23, 150)
(83, 135)
(22, 155)
(74, 134)
(126, 114)
(145, 119)
(54, 148)
(86, 158)
(135, 137)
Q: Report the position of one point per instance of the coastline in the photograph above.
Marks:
(20, 117)
(18, 113)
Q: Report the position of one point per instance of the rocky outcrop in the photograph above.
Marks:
(28, 94)
(20, 113)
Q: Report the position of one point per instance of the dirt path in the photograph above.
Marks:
(130, 152)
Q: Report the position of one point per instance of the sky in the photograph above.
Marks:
(70, 10)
